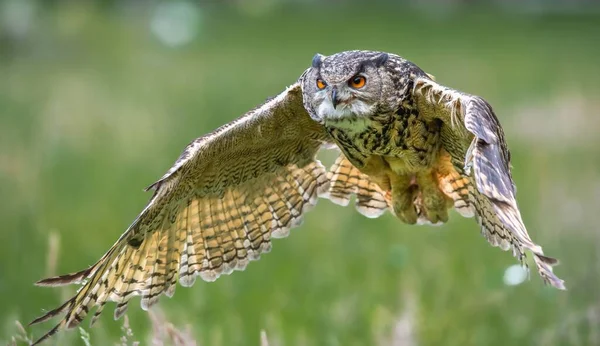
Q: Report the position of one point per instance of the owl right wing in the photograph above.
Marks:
(216, 209)
(346, 180)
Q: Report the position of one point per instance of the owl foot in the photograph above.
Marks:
(417, 199)
(432, 203)
(433, 213)
(403, 204)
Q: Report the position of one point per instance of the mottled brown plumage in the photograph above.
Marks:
(409, 145)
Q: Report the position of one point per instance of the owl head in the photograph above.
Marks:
(346, 85)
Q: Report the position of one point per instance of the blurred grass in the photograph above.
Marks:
(93, 108)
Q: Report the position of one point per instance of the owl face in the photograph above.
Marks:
(348, 85)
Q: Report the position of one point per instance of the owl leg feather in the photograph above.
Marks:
(432, 203)
(404, 194)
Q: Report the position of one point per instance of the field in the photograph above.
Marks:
(95, 105)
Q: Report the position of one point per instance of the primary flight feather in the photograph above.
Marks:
(408, 145)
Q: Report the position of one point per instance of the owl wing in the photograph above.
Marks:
(346, 180)
(215, 210)
(472, 135)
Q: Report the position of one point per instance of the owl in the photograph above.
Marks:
(407, 145)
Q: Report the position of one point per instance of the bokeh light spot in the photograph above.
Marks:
(515, 275)
(176, 23)
(16, 17)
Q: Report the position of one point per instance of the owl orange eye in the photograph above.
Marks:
(321, 84)
(357, 82)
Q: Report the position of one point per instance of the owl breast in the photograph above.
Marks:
(404, 140)
(402, 153)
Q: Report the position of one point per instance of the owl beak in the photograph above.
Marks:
(334, 97)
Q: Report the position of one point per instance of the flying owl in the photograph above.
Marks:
(407, 145)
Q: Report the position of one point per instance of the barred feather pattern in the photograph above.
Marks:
(460, 189)
(212, 235)
(346, 180)
(475, 140)
(215, 210)
(469, 202)
(223, 234)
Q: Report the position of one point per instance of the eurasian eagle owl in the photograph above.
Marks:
(408, 145)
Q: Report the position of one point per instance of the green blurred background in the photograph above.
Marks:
(97, 99)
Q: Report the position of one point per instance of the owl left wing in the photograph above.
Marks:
(216, 209)
(472, 135)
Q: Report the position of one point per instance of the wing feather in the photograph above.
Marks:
(472, 135)
(214, 211)
(253, 179)
(346, 180)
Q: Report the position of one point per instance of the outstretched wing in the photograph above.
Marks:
(472, 135)
(215, 210)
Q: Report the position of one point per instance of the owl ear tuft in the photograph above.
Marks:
(317, 60)
(380, 59)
